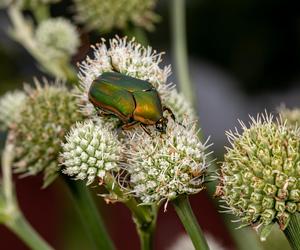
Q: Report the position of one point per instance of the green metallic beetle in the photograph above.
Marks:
(132, 100)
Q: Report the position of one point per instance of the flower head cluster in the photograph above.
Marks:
(91, 150)
(47, 115)
(291, 116)
(163, 167)
(126, 57)
(10, 106)
(260, 175)
(57, 38)
(152, 167)
(108, 15)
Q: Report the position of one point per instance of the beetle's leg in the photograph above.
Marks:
(145, 129)
(170, 112)
(129, 125)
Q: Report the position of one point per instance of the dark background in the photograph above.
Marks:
(244, 58)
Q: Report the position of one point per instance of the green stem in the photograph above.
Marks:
(292, 232)
(189, 221)
(89, 215)
(144, 217)
(11, 216)
(19, 225)
(180, 48)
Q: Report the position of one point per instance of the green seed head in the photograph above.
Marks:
(47, 115)
(259, 178)
(105, 16)
(10, 106)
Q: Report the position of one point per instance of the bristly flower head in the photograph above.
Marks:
(126, 57)
(90, 152)
(260, 175)
(10, 107)
(291, 116)
(163, 167)
(57, 38)
(47, 115)
(105, 16)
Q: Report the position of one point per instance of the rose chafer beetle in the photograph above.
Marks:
(132, 100)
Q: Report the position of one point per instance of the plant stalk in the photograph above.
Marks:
(20, 226)
(180, 48)
(189, 221)
(292, 232)
(90, 217)
(11, 215)
(143, 216)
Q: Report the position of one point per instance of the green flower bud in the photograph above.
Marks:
(265, 157)
(57, 38)
(10, 106)
(46, 116)
(90, 152)
(105, 16)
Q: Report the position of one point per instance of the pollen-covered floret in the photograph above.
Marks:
(163, 167)
(259, 178)
(90, 152)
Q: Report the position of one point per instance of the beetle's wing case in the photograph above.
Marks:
(112, 98)
(148, 108)
(126, 82)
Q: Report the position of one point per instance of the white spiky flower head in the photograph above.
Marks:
(127, 57)
(259, 178)
(57, 38)
(162, 167)
(10, 107)
(91, 150)
(105, 16)
(292, 116)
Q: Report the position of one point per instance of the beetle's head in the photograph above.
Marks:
(161, 125)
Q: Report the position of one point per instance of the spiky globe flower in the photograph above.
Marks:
(91, 150)
(105, 16)
(10, 106)
(292, 116)
(126, 57)
(259, 178)
(47, 115)
(57, 38)
(163, 167)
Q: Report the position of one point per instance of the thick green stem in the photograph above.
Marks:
(90, 216)
(190, 223)
(19, 225)
(180, 48)
(292, 232)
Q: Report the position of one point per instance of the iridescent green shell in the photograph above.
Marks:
(128, 98)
